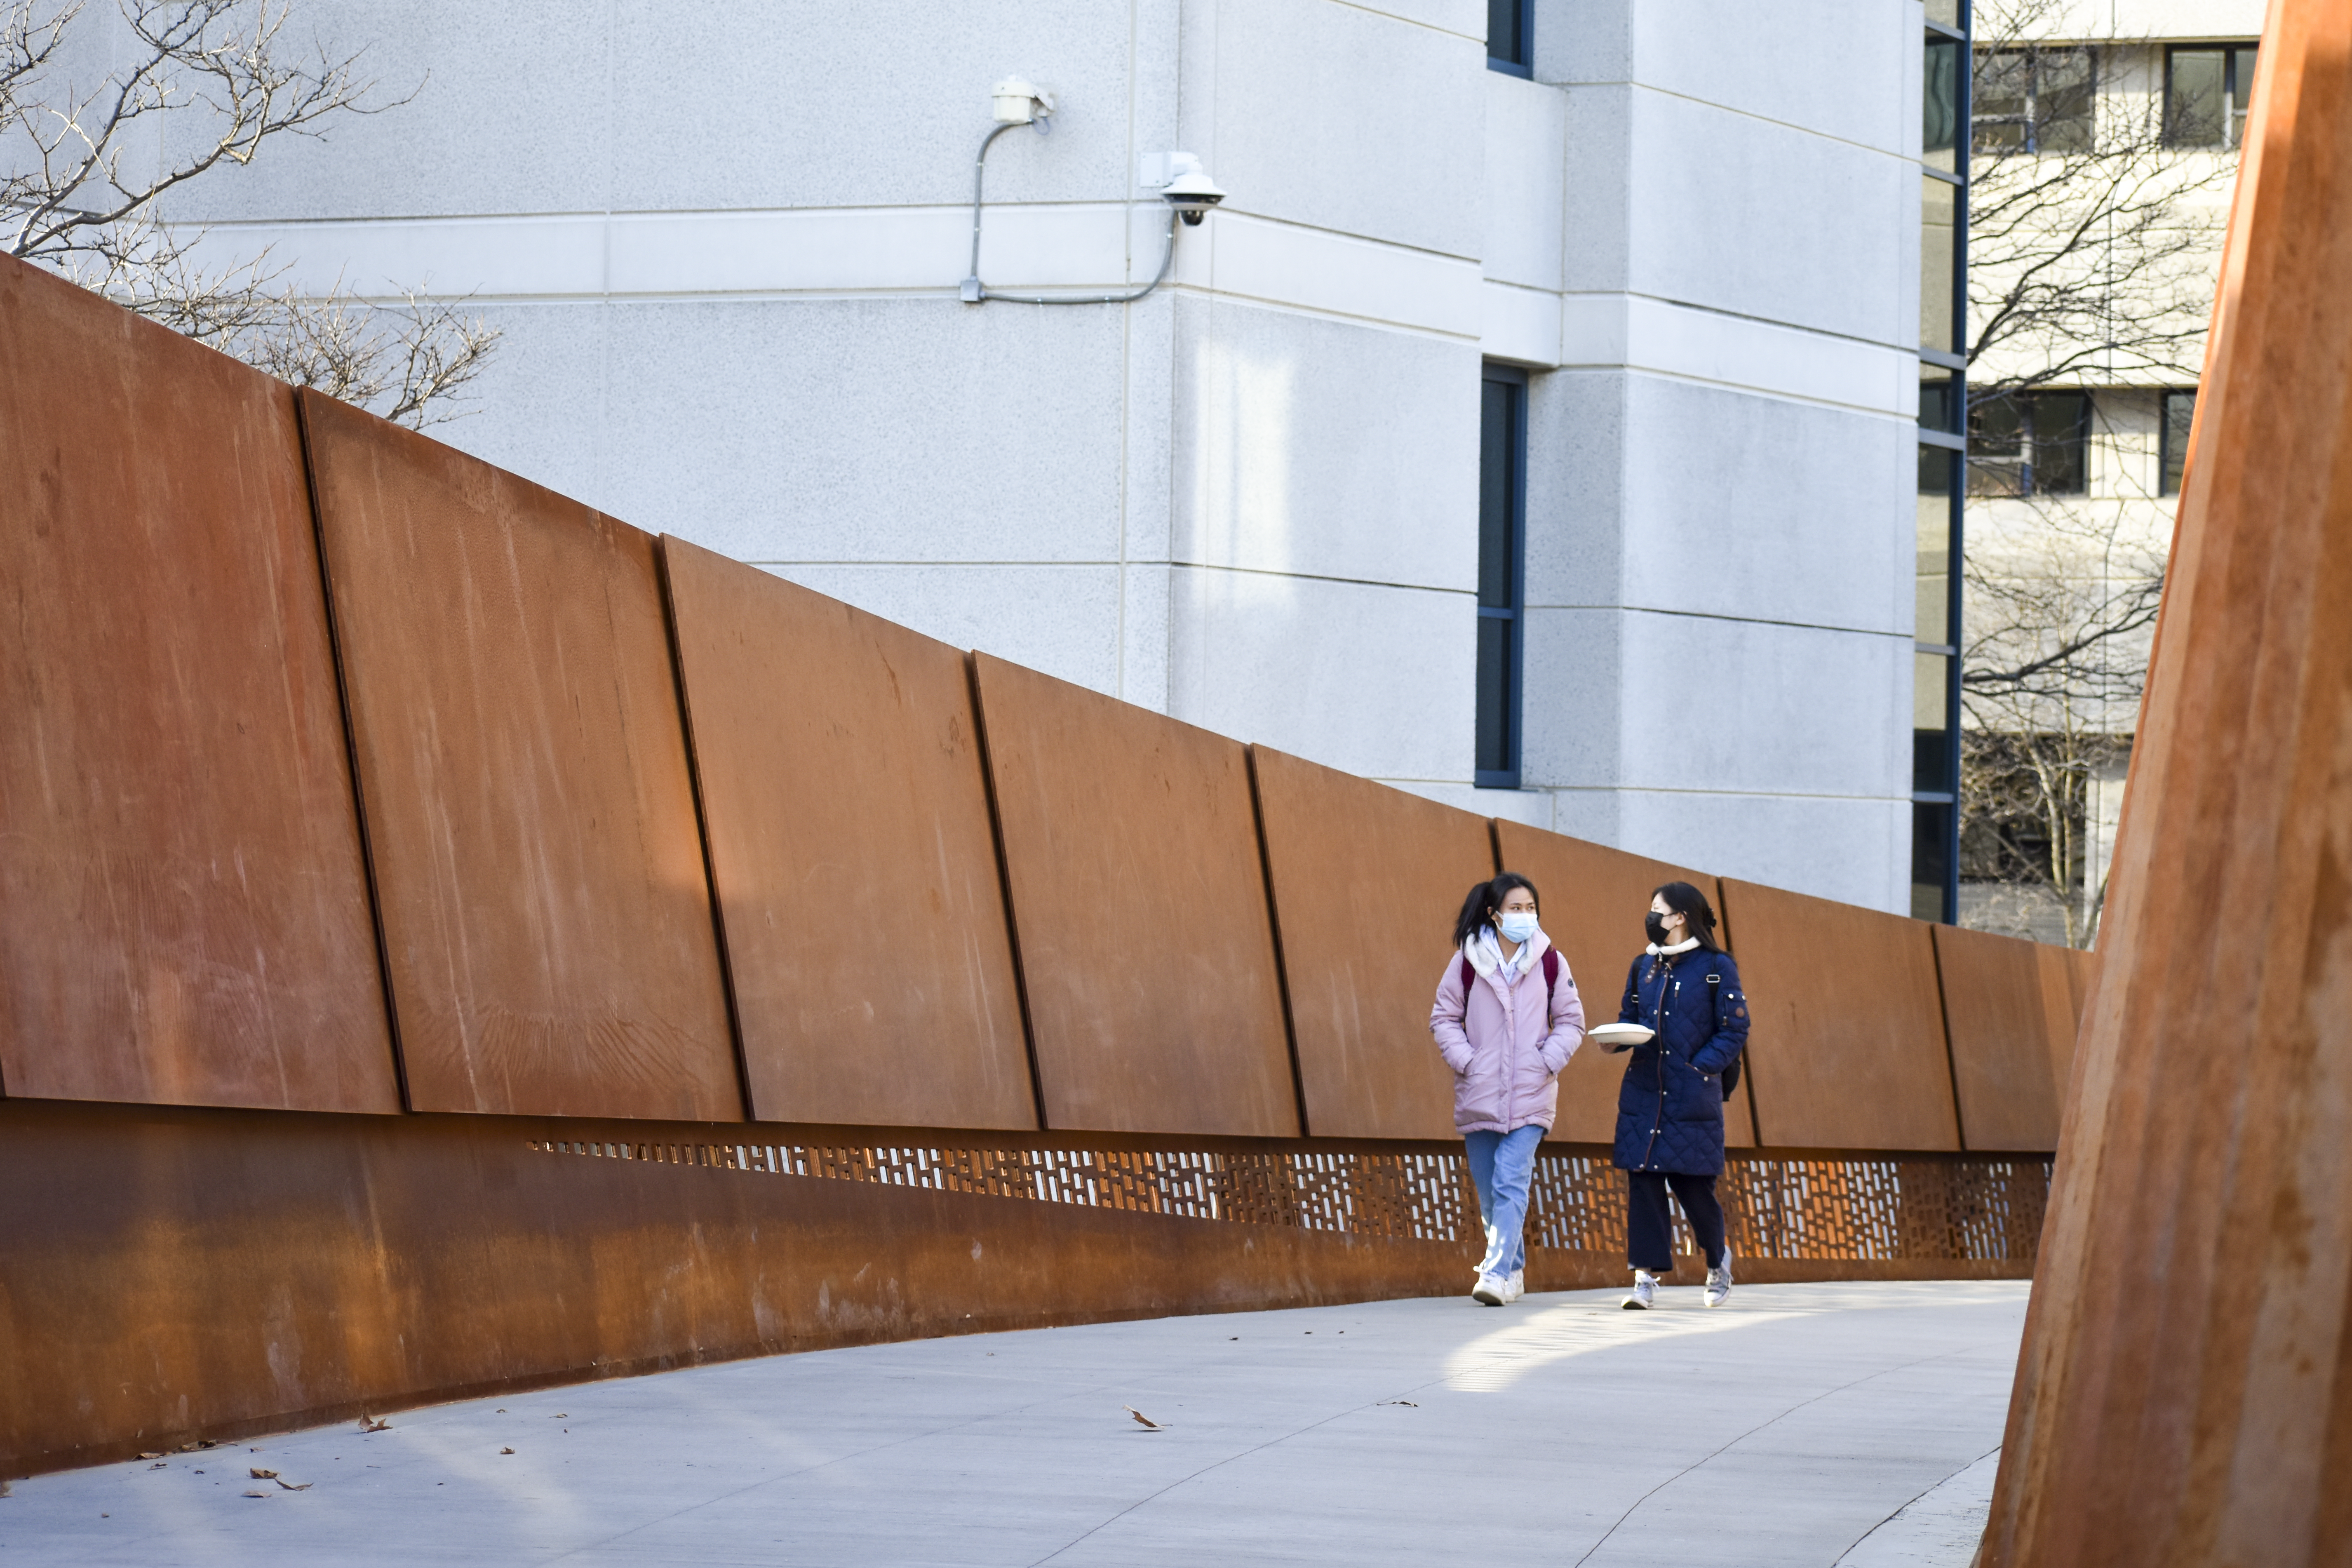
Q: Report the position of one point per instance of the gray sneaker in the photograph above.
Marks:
(1645, 1293)
(1718, 1280)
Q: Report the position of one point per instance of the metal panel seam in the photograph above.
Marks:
(1004, 885)
(302, 396)
(702, 826)
(1273, 921)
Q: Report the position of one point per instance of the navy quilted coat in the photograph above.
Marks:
(1670, 1107)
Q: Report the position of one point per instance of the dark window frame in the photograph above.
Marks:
(1521, 61)
(1504, 707)
(2234, 53)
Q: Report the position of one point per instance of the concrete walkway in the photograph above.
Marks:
(1806, 1424)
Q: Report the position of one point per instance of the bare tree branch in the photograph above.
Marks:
(209, 82)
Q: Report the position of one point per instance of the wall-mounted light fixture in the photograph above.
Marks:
(1179, 178)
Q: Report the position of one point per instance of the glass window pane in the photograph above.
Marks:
(2062, 101)
(1928, 697)
(2179, 410)
(1935, 470)
(2193, 99)
(1497, 453)
(1940, 129)
(1947, 12)
(2241, 90)
(2060, 421)
(1931, 826)
(1506, 38)
(1934, 623)
(1939, 261)
(1934, 398)
(1995, 448)
(2002, 99)
(1495, 706)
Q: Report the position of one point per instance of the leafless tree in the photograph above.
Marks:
(201, 87)
(2093, 244)
(2053, 667)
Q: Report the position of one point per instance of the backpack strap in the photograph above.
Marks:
(1715, 993)
(1551, 979)
(1469, 975)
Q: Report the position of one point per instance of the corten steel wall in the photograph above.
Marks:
(1365, 881)
(546, 916)
(1147, 948)
(2192, 1333)
(846, 811)
(1846, 1045)
(172, 1274)
(2010, 1010)
(1593, 901)
(184, 914)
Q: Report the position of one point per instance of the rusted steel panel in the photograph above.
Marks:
(2189, 1325)
(2011, 1036)
(1847, 1035)
(184, 912)
(854, 862)
(1139, 905)
(172, 1274)
(1364, 939)
(1593, 899)
(531, 817)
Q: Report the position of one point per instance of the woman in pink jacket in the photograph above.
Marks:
(1507, 1020)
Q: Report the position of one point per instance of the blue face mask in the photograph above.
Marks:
(1518, 925)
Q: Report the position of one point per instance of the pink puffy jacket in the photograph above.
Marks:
(1504, 1052)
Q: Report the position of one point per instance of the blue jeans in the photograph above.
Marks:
(1502, 1164)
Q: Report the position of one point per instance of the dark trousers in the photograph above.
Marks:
(1649, 1230)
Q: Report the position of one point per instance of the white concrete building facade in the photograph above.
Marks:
(724, 243)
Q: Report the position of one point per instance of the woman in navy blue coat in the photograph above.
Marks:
(1684, 988)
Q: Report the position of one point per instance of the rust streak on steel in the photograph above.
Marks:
(183, 914)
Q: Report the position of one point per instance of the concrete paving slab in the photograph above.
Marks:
(1785, 1428)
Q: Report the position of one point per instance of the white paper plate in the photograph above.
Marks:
(1620, 1036)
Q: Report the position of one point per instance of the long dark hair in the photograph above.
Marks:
(1485, 898)
(1691, 904)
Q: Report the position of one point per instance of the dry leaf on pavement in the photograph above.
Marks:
(1143, 1420)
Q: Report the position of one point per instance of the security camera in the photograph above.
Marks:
(1192, 195)
(1183, 183)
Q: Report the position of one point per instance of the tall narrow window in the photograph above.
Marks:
(1510, 36)
(1502, 505)
(2029, 444)
(2179, 414)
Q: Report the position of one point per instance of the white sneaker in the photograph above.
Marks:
(1516, 1286)
(1492, 1290)
(1645, 1293)
(1718, 1280)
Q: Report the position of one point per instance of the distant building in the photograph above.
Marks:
(1532, 426)
(2078, 475)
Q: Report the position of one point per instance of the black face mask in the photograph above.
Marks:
(1655, 924)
